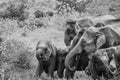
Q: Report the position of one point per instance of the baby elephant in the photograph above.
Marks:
(49, 59)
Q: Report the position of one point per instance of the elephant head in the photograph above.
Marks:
(91, 40)
(73, 27)
(45, 50)
(83, 24)
(70, 32)
(102, 63)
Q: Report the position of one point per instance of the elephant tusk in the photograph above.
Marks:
(89, 41)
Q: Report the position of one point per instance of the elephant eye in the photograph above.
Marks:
(83, 42)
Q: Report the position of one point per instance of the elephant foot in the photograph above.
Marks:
(49, 78)
(87, 71)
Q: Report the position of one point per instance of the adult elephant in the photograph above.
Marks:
(93, 39)
(83, 24)
(73, 27)
(81, 62)
(97, 21)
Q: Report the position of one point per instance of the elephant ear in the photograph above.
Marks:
(37, 46)
(52, 48)
(100, 39)
(77, 27)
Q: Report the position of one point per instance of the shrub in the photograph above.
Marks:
(39, 14)
(16, 55)
(23, 60)
(69, 5)
(14, 10)
(50, 13)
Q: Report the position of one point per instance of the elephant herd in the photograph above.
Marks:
(93, 46)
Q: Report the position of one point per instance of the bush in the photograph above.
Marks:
(50, 13)
(69, 5)
(39, 14)
(14, 10)
(23, 60)
(16, 55)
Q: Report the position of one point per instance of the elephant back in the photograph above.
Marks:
(112, 35)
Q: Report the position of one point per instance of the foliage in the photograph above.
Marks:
(13, 10)
(39, 14)
(16, 54)
(24, 17)
(101, 7)
(23, 60)
(70, 5)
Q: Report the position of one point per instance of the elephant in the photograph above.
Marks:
(73, 26)
(96, 21)
(103, 62)
(81, 61)
(79, 34)
(50, 59)
(93, 39)
(70, 74)
(69, 32)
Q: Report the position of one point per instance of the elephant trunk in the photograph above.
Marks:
(110, 72)
(69, 58)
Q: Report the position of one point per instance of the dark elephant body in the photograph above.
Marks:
(60, 58)
(50, 59)
(84, 24)
(102, 59)
(69, 33)
(80, 61)
(81, 26)
(92, 40)
(46, 56)
(97, 21)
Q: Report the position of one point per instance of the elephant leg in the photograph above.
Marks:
(39, 70)
(51, 69)
(92, 71)
(117, 62)
(60, 70)
(87, 71)
(69, 74)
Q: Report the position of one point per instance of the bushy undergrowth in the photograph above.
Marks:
(26, 16)
(23, 60)
(13, 10)
(16, 55)
(93, 7)
(39, 14)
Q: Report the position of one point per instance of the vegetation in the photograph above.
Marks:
(24, 22)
